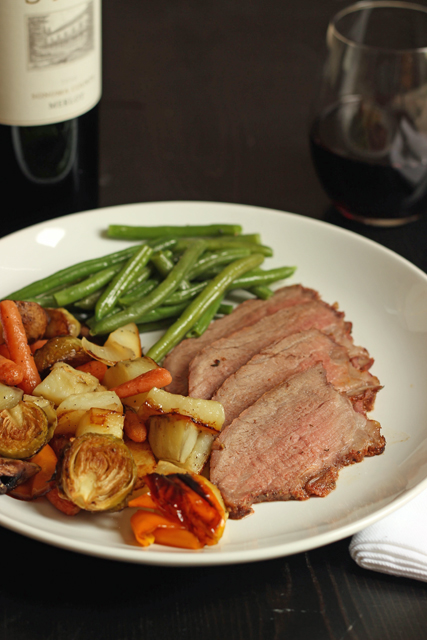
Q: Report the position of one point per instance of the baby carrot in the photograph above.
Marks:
(134, 427)
(38, 344)
(62, 504)
(95, 367)
(154, 378)
(16, 342)
(10, 373)
(4, 351)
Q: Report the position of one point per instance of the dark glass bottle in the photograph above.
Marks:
(49, 170)
(50, 86)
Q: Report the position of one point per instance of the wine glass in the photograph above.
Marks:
(368, 133)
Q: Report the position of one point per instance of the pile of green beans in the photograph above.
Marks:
(175, 278)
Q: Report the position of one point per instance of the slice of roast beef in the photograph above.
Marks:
(297, 352)
(291, 443)
(245, 314)
(220, 359)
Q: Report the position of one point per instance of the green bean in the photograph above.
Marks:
(164, 265)
(138, 292)
(86, 287)
(198, 306)
(156, 325)
(122, 281)
(160, 313)
(262, 291)
(126, 232)
(161, 244)
(217, 258)
(156, 297)
(162, 262)
(72, 274)
(135, 292)
(88, 302)
(216, 244)
(226, 309)
(46, 300)
(205, 319)
(262, 278)
(180, 295)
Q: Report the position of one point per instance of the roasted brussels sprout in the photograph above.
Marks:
(97, 472)
(67, 349)
(49, 409)
(24, 430)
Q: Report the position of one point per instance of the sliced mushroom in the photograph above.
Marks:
(15, 472)
(34, 319)
(61, 323)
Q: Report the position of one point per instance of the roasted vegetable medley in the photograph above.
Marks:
(85, 421)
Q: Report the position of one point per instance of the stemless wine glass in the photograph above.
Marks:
(368, 132)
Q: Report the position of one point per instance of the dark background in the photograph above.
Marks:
(210, 101)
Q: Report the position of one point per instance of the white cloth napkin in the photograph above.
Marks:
(397, 544)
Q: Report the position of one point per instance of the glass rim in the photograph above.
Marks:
(333, 31)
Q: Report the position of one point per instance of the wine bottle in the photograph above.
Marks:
(50, 86)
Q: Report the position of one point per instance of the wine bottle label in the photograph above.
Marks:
(50, 60)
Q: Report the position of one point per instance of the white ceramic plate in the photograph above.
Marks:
(382, 294)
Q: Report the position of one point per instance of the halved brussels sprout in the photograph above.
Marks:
(9, 396)
(64, 381)
(60, 349)
(122, 344)
(24, 430)
(48, 408)
(97, 472)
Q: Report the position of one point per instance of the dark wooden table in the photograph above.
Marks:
(210, 101)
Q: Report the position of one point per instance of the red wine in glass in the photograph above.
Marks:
(376, 173)
(368, 134)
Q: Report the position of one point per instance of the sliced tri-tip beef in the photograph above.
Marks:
(279, 361)
(291, 443)
(245, 314)
(220, 359)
